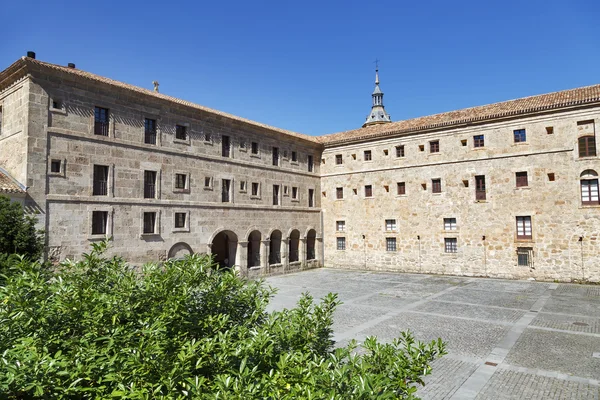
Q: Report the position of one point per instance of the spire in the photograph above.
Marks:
(378, 114)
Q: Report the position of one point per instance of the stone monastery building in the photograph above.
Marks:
(502, 190)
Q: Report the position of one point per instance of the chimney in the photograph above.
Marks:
(71, 65)
(31, 54)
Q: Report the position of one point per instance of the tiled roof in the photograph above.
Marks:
(526, 105)
(31, 62)
(8, 184)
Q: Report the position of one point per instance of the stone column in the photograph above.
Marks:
(285, 256)
(264, 255)
(241, 258)
(319, 251)
(302, 252)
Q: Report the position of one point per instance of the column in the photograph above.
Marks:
(319, 251)
(302, 252)
(285, 254)
(241, 258)
(264, 255)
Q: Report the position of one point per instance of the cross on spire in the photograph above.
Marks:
(376, 63)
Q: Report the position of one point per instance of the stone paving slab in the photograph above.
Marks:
(575, 323)
(447, 376)
(504, 315)
(490, 298)
(585, 306)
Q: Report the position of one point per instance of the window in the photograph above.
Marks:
(478, 141)
(587, 146)
(294, 156)
(480, 188)
(341, 243)
(100, 121)
(434, 147)
(99, 222)
(521, 179)
(207, 137)
(255, 189)
(436, 185)
(225, 190)
(254, 148)
(401, 188)
(551, 177)
(367, 155)
(524, 227)
(243, 186)
(181, 132)
(180, 219)
(525, 256)
(275, 195)
(549, 130)
(311, 197)
(519, 135)
(207, 182)
(294, 193)
(149, 222)
(589, 188)
(275, 156)
(449, 224)
(286, 190)
(310, 164)
(450, 245)
(55, 166)
(390, 224)
(340, 226)
(149, 184)
(368, 191)
(390, 244)
(339, 193)
(242, 145)
(339, 159)
(180, 181)
(225, 146)
(399, 151)
(100, 185)
(150, 131)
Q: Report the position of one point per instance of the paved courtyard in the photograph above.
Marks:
(506, 339)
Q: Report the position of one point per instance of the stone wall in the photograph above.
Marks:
(14, 102)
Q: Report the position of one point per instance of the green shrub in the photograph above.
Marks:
(181, 330)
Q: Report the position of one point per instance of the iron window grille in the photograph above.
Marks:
(149, 184)
(390, 244)
(519, 135)
(339, 159)
(478, 141)
(368, 155)
(254, 148)
(525, 256)
(480, 193)
(149, 222)
(101, 121)
(150, 131)
(181, 132)
(399, 151)
(180, 181)
(434, 147)
(180, 218)
(341, 243)
(451, 245)
(100, 186)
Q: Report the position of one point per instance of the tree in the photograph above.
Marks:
(18, 234)
(99, 328)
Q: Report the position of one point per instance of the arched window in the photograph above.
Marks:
(589, 187)
(587, 146)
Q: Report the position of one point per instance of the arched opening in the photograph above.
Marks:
(311, 237)
(275, 248)
(254, 249)
(294, 245)
(589, 187)
(179, 251)
(224, 249)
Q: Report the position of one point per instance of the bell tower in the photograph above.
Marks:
(378, 114)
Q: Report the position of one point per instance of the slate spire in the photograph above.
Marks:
(378, 114)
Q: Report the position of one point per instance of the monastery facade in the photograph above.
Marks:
(505, 190)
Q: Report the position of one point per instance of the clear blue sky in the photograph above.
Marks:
(307, 66)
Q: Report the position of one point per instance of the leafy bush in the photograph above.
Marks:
(181, 330)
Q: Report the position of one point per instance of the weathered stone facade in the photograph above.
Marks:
(507, 200)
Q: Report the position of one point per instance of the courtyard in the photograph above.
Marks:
(505, 339)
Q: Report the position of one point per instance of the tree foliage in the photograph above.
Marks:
(181, 330)
(18, 234)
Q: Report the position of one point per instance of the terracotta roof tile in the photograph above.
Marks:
(8, 184)
(526, 105)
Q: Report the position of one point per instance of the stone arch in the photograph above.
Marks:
(250, 230)
(275, 247)
(294, 249)
(310, 228)
(180, 250)
(588, 174)
(311, 238)
(223, 247)
(254, 244)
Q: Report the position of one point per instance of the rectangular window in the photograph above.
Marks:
(367, 155)
(521, 179)
(589, 192)
(99, 222)
(100, 121)
(450, 245)
(149, 184)
(254, 148)
(480, 187)
(449, 224)
(294, 193)
(180, 181)
(242, 186)
(225, 190)
(519, 135)
(275, 195)
(311, 197)
(339, 193)
(478, 141)
(390, 244)
(149, 222)
(207, 137)
(401, 188)
(225, 146)
(150, 131)
(524, 256)
(181, 132)
(434, 147)
(180, 218)
(275, 156)
(100, 187)
(339, 159)
(242, 145)
(255, 189)
(55, 166)
(294, 156)
(436, 186)
(310, 163)
(524, 227)
(341, 243)
(390, 224)
(368, 191)
(340, 226)
(285, 190)
(399, 151)
(207, 182)
(587, 146)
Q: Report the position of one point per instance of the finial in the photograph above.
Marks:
(156, 84)
(377, 71)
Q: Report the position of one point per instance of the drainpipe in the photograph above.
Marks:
(582, 267)
(419, 239)
(484, 256)
(322, 240)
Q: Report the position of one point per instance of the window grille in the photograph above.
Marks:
(478, 141)
(180, 132)
(100, 186)
(434, 147)
(399, 151)
(451, 245)
(390, 244)
(100, 121)
(525, 257)
(519, 135)
(150, 131)
(149, 184)
(149, 222)
(480, 187)
(341, 243)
